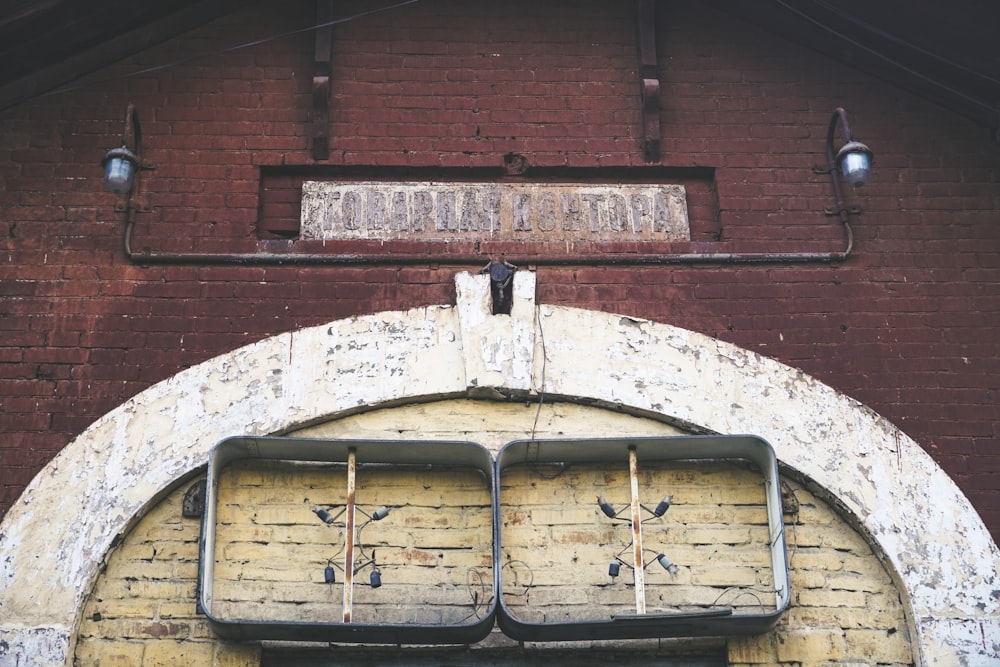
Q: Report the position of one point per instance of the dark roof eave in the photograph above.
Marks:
(49, 78)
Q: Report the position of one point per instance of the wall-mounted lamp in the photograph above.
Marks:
(122, 165)
(853, 161)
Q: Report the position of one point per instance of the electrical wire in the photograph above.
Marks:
(902, 42)
(872, 51)
(751, 592)
(541, 388)
(478, 597)
(531, 576)
(534, 466)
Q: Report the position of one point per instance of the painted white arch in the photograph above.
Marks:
(53, 540)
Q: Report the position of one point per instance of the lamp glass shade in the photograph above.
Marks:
(120, 165)
(855, 160)
(856, 167)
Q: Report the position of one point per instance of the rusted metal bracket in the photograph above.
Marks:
(193, 506)
(639, 568)
(649, 82)
(320, 112)
(350, 534)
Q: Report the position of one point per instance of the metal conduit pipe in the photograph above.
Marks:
(124, 166)
(148, 258)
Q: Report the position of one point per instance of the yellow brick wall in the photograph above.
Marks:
(142, 609)
(272, 550)
(845, 608)
(715, 532)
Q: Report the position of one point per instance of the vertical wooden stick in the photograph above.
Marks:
(349, 538)
(640, 573)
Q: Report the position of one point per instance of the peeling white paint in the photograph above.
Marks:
(34, 647)
(53, 540)
(499, 347)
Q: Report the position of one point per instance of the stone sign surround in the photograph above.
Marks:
(54, 540)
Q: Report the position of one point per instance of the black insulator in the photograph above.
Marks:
(606, 507)
(324, 515)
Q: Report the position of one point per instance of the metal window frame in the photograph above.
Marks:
(392, 452)
(711, 622)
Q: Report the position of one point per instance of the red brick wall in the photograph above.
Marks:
(906, 326)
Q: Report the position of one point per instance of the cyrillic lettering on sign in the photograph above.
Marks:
(435, 211)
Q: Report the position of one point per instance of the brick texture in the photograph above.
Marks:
(906, 326)
(555, 535)
(431, 551)
(434, 553)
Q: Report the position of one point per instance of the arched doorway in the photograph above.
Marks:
(57, 536)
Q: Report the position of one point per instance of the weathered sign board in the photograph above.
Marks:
(461, 211)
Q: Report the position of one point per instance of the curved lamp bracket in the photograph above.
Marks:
(853, 160)
(123, 165)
